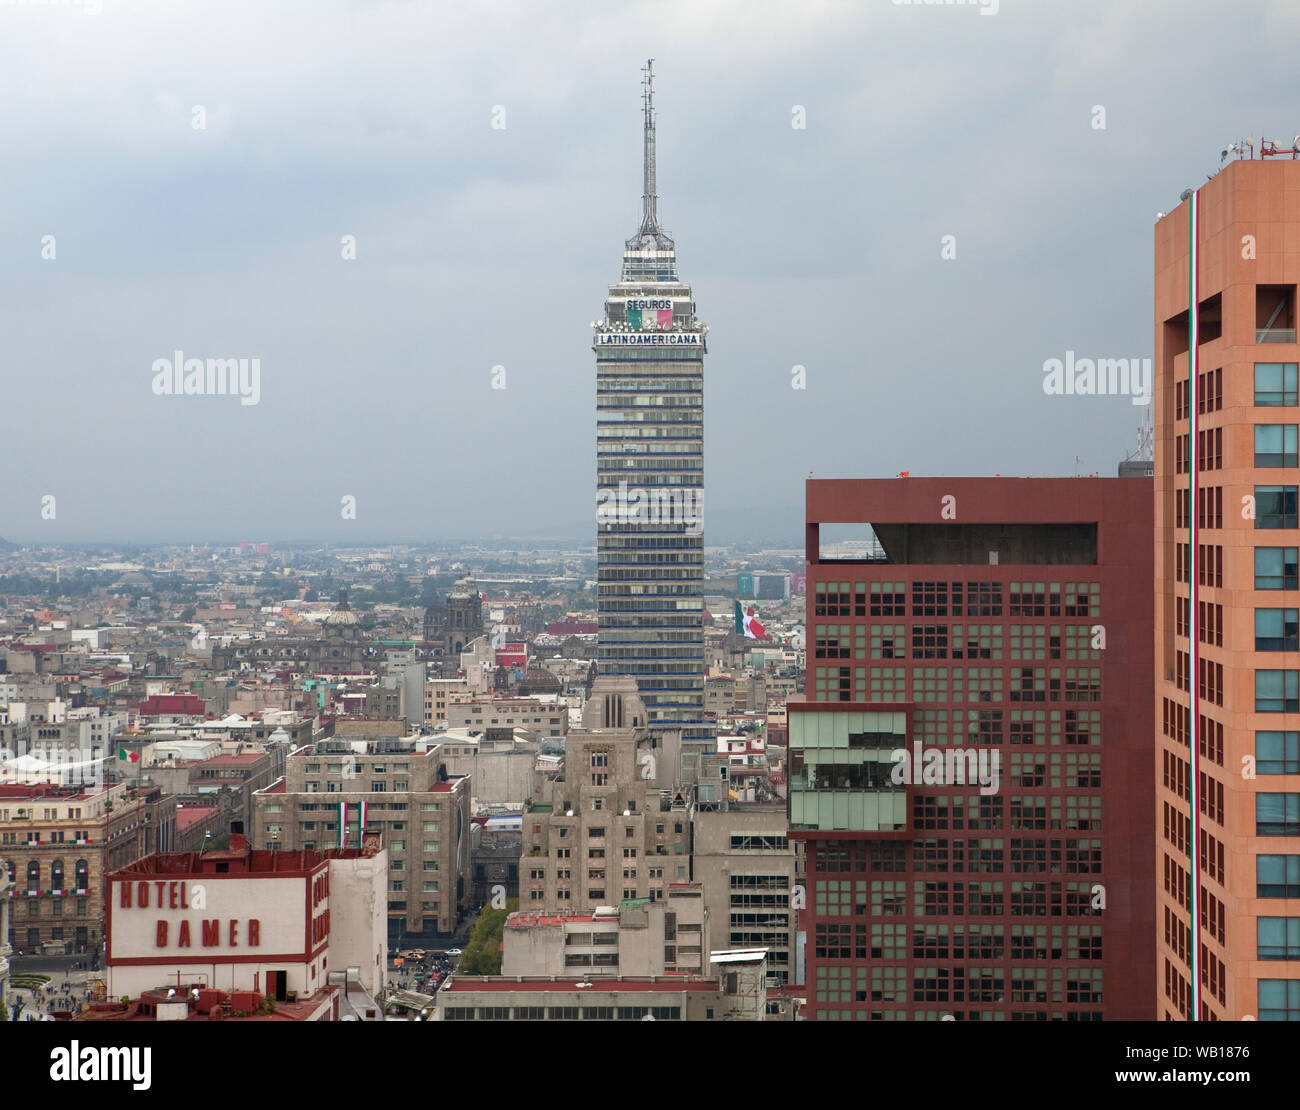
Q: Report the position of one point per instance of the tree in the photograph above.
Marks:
(482, 954)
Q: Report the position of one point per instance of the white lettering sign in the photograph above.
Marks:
(620, 338)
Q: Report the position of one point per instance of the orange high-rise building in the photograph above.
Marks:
(1227, 593)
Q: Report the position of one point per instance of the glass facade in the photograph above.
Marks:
(650, 487)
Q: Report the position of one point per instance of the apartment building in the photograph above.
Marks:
(437, 691)
(397, 788)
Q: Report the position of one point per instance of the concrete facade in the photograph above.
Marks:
(421, 813)
(637, 938)
(601, 833)
(746, 865)
(58, 843)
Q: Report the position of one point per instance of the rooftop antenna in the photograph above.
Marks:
(650, 235)
(649, 198)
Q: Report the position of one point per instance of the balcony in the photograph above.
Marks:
(1275, 335)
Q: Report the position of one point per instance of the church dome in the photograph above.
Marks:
(343, 616)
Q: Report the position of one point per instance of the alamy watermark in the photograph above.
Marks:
(987, 7)
(102, 1064)
(1103, 377)
(634, 505)
(91, 7)
(955, 766)
(62, 766)
(214, 377)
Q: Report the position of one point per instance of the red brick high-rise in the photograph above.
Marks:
(1005, 626)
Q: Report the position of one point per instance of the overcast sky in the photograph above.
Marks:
(479, 246)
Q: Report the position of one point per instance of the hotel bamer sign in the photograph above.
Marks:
(219, 917)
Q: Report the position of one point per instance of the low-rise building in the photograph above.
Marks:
(736, 992)
(59, 841)
(248, 930)
(636, 938)
(544, 716)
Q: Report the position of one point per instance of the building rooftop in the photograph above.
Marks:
(145, 1008)
(464, 984)
(188, 816)
(47, 790)
(244, 759)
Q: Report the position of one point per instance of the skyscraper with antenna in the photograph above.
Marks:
(650, 348)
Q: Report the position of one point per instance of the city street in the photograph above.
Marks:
(68, 988)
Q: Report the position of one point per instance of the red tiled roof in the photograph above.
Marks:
(190, 815)
(241, 760)
(572, 628)
(187, 704)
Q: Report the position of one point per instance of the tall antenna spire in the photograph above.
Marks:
(649, 198)
(650, 236)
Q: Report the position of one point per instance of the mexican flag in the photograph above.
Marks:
(122, 753)
(748, 623)
(654, 318)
